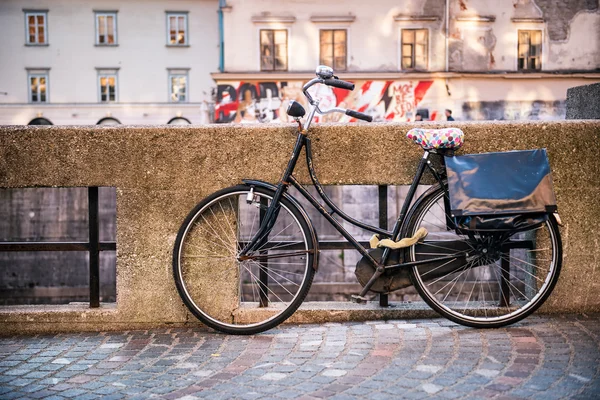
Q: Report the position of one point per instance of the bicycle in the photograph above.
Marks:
(245, 256)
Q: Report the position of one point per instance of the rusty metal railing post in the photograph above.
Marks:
(383, 216)
(94, 246)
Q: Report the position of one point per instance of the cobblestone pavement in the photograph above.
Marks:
(542, 358)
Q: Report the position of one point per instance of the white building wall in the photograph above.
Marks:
(142, 59)
(373, 37)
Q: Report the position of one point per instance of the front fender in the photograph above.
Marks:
(313, 233)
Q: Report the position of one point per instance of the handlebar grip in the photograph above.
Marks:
(339, 84)
(359, 115)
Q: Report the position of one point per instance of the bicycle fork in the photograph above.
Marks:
(267, 222)
(273, 211)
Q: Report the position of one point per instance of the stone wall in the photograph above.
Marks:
(161, 172)
(583, 102)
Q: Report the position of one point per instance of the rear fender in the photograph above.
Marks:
(292, 200)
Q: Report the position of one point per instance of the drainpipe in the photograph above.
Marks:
(222, 4)
(447, 32)
(447, 46)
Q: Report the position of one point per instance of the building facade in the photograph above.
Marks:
(184, 61)
(482, 59)
(87, 62)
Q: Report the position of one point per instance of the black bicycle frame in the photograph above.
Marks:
(288, 179)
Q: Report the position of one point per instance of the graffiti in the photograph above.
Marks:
(252, 102)
(514, 110)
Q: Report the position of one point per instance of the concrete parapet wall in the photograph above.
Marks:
(161, 172)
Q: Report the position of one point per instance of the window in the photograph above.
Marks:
(179, 121)
(333, 48)
(273, 50)
(414, 48)
(530, 50)
(109, 121)
(38, 87)
(177, 29)
(178, 81)
(40, 121)
(107, 86)
(106, 28)
(37, 28)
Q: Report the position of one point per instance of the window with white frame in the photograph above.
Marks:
(106, 28)
(530, 50)
(107, 85)
(415, 44)
(38, 86)
(273, 49)
(177, 29)
(178, 83)
(37, 27)
(333, 46)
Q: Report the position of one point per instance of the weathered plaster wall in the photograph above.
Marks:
(160, 173)
(483, 34)
(559, 14)
(570, 33)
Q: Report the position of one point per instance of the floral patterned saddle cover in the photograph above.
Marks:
(447, 138)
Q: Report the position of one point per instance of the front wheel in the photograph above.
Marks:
(496, 278)
(243, 295)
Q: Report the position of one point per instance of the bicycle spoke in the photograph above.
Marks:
(522, 269)
(470, 295)
(225, 245)
(215, 231)
(268, 288)
(209, 240)
(228, 223)
(524, 262)
(444, 248)
(277, 234)
(436, 268)
(266, 269)
(272, 270)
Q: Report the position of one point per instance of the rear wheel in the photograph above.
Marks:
(254, 293)
(494, 280)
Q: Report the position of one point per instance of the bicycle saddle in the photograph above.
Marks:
(447, 138)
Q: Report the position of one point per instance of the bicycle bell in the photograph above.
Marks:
(324, 72)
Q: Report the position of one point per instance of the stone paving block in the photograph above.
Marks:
(72, 392)
(531, 361)
(12, 395)
(87, 396)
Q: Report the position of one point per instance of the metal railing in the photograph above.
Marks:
(93, 246)
(345, 245)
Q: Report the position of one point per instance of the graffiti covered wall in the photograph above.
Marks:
(391, 100)
(249, 102)
(514, 110)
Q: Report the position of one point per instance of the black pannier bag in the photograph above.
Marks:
(506, 191)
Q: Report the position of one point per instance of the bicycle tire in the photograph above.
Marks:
(243, 304)
(525, 272)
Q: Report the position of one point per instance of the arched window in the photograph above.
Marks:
(108, 121)
(179, 121)
(40, 121)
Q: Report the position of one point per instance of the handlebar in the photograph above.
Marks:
(359, 115)
(337, 83)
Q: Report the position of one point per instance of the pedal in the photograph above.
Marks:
(358, 299)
